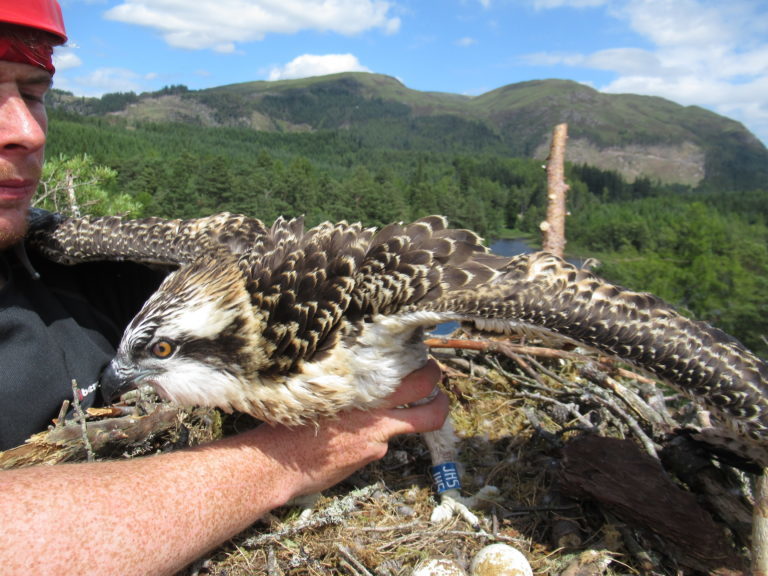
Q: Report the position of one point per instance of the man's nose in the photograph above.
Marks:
(22, 128)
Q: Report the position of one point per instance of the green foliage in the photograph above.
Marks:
(609, 185)
(77, 186)
(329, 105)
(114, 102)
(182, 171)
(513, 120)
(709, 261)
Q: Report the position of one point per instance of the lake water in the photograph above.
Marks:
(511, 247)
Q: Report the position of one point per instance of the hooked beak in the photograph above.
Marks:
(117, 379)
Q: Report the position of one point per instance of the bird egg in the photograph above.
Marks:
(500, 560)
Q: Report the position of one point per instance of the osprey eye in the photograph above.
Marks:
(162, 349)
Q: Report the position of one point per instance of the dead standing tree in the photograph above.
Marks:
(553, 228)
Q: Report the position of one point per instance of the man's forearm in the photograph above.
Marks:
(148, 515)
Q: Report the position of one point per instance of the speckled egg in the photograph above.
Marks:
(500, 560)
(438, 567)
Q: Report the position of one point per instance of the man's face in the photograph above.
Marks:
(23, 125)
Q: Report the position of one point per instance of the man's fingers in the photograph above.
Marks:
(416, 385)
(422, 418)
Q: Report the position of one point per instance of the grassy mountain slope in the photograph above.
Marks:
(634, 135)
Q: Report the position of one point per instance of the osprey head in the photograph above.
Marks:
(197, 340)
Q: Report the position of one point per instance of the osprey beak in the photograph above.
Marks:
(117, 379)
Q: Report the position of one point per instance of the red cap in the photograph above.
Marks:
(40, 14)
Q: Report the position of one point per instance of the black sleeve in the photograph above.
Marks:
(61, 327)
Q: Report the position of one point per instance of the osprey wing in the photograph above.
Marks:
(544, 292)
(406, 264)
(144, 240)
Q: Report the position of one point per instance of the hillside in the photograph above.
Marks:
(633, 135)
(331, 151)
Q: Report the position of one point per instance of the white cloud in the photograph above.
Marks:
(702, 52)
(465, 42)
(66, 59)
(686, 22)
(619, 60)
(308, 65)
(219, 25)
(104, 81)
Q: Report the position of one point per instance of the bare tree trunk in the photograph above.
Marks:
(553, 229)
(760, 527)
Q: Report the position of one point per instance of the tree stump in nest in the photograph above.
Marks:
(635, 488)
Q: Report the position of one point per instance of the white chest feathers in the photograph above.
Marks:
(358, 373)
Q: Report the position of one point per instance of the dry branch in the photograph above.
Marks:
(107, 437)
(336, 513)
(760, 527)
(635, 487)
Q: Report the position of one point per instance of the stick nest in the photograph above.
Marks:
(596, 471)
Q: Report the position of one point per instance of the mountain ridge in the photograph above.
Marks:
(637, 136)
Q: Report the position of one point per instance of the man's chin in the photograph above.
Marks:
(13, 226)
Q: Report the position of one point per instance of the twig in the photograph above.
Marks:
(501, 346)
(71, 196)
(569, 407)
(591, 371)
(62, 413)
(356, 565)
(565, 531)
(603, 397)
(635, 549)
(273, 568)
(630, 375)
(395, 528)
(335, 513)
(519, 378)
(485, 535)
(81, 418)
(760, 527)
(537, 425)
(533, 374)
(62, 443)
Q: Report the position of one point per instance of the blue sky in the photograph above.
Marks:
(710, 53)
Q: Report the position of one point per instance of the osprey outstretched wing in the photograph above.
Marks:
(143, 240)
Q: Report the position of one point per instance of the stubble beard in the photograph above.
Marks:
(14, 229)
(14, 215)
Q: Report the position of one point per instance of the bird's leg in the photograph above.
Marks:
(442, 446)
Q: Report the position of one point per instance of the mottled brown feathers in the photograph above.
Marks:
(146, 240)
(544, 291)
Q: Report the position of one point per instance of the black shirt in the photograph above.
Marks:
(60, 327)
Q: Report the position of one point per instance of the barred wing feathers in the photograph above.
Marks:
(543, 291)
(144, 240)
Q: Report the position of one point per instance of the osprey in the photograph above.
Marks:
(291, 324)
